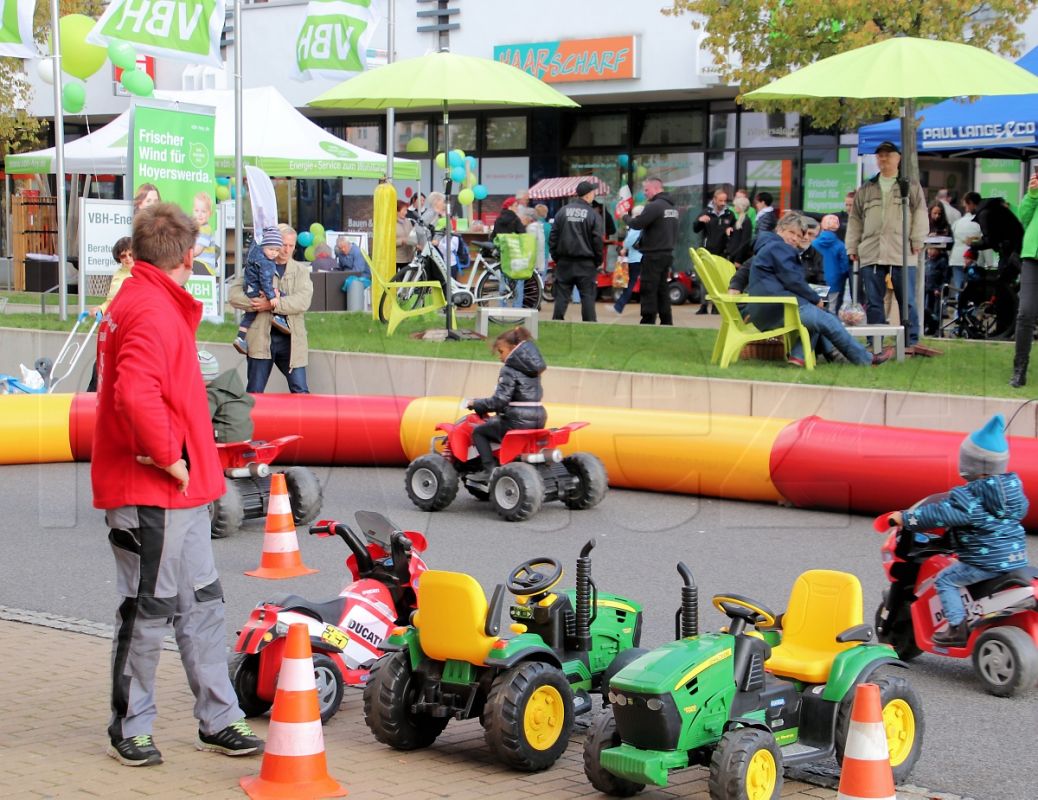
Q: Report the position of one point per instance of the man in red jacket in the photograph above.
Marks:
(154, 470)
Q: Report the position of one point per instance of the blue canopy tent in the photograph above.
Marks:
(1008, 123)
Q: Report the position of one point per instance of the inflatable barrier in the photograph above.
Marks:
(811, 462)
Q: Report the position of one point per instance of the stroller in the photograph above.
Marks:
(46, 374)
(984, 308)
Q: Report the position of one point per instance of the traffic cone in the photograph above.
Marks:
(280, 557)
(866, 773)
(294, 765)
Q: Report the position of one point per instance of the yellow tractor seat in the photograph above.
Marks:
(822, 605)
(452, 617)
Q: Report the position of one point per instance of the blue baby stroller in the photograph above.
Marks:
(51, 373)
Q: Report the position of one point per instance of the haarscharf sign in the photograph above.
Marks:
(568, 60)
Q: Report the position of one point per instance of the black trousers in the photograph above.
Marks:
(1027, 312)
(486, 435)
(655, 299)
(582, 275)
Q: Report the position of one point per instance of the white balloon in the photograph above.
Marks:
(45, 69)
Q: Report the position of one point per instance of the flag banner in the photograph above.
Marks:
(333, 40)
(624, 202)
(263, 199)
(16, 29)
(185, 30)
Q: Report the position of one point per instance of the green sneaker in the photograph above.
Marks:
(136, 751)
(237, 739)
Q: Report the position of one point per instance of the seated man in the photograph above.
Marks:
(777, 272)
(230, 407)
(351, 262)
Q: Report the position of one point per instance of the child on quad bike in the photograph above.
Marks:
(985, 513)
(517, 399)
(230, 406)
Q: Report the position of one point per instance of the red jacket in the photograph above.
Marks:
(151, 400)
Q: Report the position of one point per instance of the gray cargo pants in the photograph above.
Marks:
(166, 575)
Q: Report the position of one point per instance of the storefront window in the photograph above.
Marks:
(683, 180)
(720, 173)
(463, 134)
(722, 126)
(672, 128)
(771, 129)
(411, 136)
(506, 133)
(820, 136)
(364, 134)
(597, 130)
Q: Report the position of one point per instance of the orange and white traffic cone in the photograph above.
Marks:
(280, 558)
(866, 773)
(294, 765)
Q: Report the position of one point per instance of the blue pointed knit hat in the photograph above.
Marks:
(985, 451)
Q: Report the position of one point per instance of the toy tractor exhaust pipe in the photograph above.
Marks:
(686, 620)
(584, 595)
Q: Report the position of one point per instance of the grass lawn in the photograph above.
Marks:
(49, 299)
(969, 368)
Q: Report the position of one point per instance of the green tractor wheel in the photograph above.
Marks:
(746, 765)
(388, 695)
(529, 716)
(602, 736)
(902, 721)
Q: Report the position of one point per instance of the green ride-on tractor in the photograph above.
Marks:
(525, 688)
(748, 702)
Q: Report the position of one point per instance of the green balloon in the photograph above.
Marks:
(308, 254)
(223, 192)
(122, 54)
(465, 197)
(137, 82)
(417, 144)
(73, 97)
(79, 58)
(319, 238)
(441, 160)
(317, 229)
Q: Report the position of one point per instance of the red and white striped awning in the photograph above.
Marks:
(551, 188)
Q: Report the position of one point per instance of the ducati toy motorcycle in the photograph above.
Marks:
(1001, 612)
(347, 632)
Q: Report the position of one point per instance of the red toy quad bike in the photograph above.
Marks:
(246, 466)
(346, 633)
(1000, 612)
(532, 470)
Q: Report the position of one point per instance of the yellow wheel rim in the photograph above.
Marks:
(544, 718)
(899, 724)
(760, 776)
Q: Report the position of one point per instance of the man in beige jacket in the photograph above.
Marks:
(875, 241)
(270, 347)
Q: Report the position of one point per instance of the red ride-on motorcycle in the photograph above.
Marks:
(346, 633)
(1002, 612)
(246, 468)
(532, 470)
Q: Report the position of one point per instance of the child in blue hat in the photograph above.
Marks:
(985, 514)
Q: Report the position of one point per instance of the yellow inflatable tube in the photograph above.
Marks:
(665, 451)
(34, 428)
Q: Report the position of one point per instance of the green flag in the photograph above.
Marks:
(16, 29)
(333, 40)
(185, 30)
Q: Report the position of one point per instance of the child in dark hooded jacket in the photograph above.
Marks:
(517, 399)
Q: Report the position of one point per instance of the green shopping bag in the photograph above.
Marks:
(518, 254)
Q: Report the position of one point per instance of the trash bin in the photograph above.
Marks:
(41, 272)
(355, 296)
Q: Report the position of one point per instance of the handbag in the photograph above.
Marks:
(621, 275)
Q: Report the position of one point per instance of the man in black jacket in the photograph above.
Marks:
(575, 244)
(716, 223)
(766, 217)
(658, 223)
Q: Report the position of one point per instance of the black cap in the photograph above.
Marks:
(888, 147)
(584, 187)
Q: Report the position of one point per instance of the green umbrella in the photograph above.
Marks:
(910, 69)
(917, 69)
(442, 80)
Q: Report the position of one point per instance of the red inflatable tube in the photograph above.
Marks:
(336, 429)
(846, 466)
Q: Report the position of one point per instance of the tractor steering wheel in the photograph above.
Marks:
(735, 606)
(526, 580)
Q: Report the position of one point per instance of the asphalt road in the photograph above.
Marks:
(54, 558)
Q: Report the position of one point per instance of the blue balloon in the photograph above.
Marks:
(458, 174)
(639, 198)
(470, 163)
(305, 238)
(234, 191)
(223, 180)
(480, 191)
(623, 160)
(455, 159)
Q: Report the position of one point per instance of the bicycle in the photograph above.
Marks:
(486, 284)
(985, 308)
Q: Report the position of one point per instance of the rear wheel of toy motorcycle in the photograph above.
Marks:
(330, 688)
(900, 633)
(244, 672)
(1006, 660)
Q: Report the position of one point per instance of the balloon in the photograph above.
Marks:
(417, 144)
(466, 196)
(470, 181)
(441, 160)
(639, 198)
(122, 54)
(641, 171)
(73, 97)
(305, 239)
(223, 180)
(234, 191)
(308, 254)
(137, 82)
(45, 69)
(480, 191)
(319, 238)
(470, 163)
(623, 160)
(457, 156)
(457, 174)
(317, 229)
(78, 57)
(223, 193)
(408, 191)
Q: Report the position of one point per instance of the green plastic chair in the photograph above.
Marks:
(404, 299)
(735, 332)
